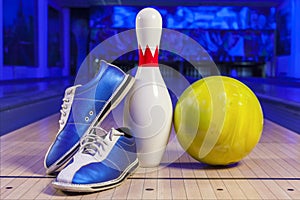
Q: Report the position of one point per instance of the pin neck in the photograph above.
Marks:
(147, 59)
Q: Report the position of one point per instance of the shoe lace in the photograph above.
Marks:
(97, 141)
(66, 106)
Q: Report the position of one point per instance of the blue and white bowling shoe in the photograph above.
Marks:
(84, 107)
(104, 160)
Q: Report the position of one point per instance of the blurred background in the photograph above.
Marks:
(44, 42)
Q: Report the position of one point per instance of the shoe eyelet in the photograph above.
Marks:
(91, 112)
(86, 119)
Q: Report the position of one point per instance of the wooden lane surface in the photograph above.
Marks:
(270, 171)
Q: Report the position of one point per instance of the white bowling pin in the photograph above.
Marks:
(148, 107)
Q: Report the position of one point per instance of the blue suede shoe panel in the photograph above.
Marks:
(95, 173)
(64, 142)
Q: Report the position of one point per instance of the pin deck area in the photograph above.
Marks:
(270, 171)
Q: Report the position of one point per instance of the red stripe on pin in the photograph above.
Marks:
(147, 59)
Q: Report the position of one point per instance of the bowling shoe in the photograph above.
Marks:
(84, 107)
(104, 160)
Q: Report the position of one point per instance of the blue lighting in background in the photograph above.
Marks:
(284, 31)
(19, 32)
(13, 7)
(182, 17)
(229, 34)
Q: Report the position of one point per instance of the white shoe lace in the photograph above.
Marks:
(66, 106)
(97, 141)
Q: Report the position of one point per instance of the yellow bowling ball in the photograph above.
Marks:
(218, 120)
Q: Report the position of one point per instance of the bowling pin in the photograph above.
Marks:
(148, 107)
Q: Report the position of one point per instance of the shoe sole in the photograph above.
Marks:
(113, 102)
(95, 187)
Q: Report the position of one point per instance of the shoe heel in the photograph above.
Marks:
(133, 169)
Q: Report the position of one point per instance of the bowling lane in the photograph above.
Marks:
(264, 173)
(28, 100)
(279, 89)
(280, 99)
(270, 171)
